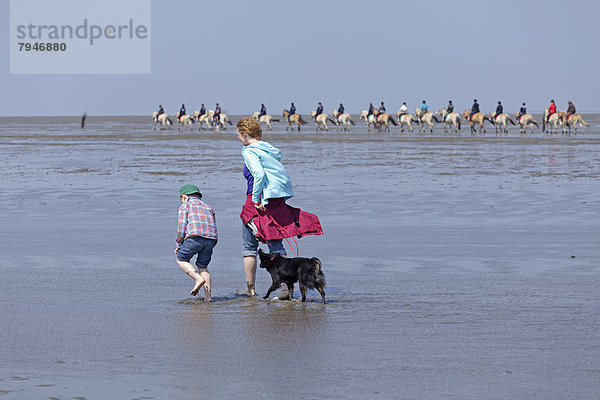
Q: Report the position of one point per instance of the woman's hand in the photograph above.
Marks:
(260, 206)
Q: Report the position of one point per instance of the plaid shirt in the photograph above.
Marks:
(196, 218)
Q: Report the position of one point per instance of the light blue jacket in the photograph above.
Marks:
(271, 180)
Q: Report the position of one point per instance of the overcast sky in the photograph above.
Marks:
(243, 53)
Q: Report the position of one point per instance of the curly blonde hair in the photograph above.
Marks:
(249, 126)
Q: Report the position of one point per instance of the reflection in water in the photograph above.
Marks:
(241, 344)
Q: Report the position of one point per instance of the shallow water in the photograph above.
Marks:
(458, 266)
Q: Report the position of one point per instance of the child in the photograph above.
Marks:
(196, 235)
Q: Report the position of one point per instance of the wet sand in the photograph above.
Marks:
(458, 266)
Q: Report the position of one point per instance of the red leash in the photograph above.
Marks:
(284, 233)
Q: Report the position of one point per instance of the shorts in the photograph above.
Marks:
(250, 244)
(199, 245)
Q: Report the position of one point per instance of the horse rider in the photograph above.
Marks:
(551, 110)
(292, 111)
(423, 109)
(217, 116)
(570, 110)
(522, 111)
(403, 109)
(263, 111)
(499, 109)
(449, 110)
(340, 110)
(474, 109)
(182, 111)
(381, 108)
(202, 110)
(371, 110)
(161, 110)
(319, 110)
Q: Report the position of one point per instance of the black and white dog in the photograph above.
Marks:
(306, 271)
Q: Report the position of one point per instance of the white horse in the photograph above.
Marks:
(224, 120)
(524, 120)
(264, 119)
(321, 119)
(405, 118)
(222, 123)
(203, 119)
(555, 120)
(161, 119)
(501, 121)
(452, 118)
(185, 121)
(573, 119)
(369, 119)
(342, 120)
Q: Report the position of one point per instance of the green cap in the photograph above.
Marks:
(189, 189)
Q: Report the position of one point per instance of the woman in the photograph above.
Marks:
(265, 215)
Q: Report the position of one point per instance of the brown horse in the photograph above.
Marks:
(477, 118)
(573, 120)
(264, 119)
(321, 119)
(384, 120)
(426, 118)
(293, 119)
(524, 120)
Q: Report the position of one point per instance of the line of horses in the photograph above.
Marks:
(381, 121)
(204, 121)
(342, 121)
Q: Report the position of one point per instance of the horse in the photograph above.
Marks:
(524, 120)
(223, 120)
(344, 119)
(161, 119)
(501, 120)
(426, 118)
(369, 119)
(405, 119)
(477, 118)
(554, 120)
(573, 119)
(206, 119)
(264, 119)
(185, 121)
(385, 119)
(293, 119)
(452, 118)
(321, 119)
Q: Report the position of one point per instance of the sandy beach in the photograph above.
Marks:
(458, 266)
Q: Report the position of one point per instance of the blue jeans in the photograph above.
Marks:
(199, 245)
(250, 244)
